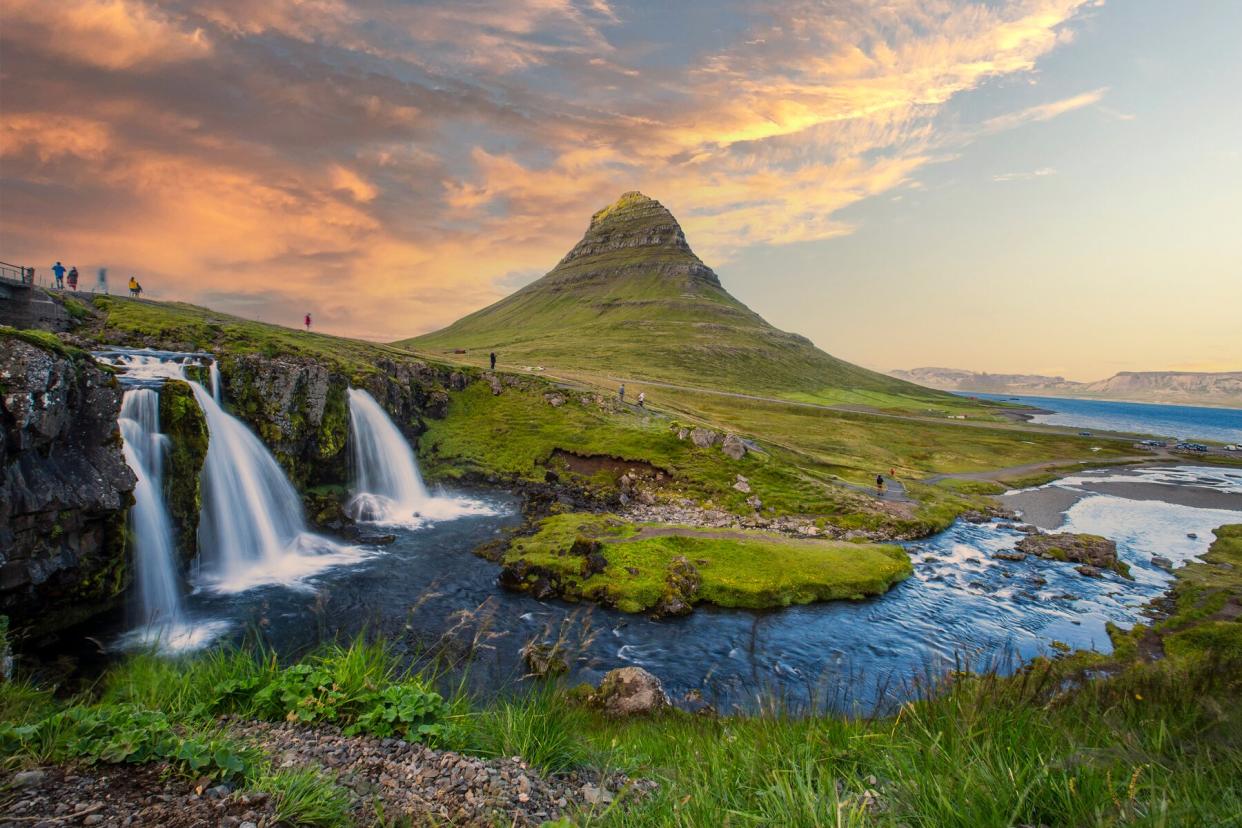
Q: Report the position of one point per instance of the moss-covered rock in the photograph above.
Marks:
(183, 422)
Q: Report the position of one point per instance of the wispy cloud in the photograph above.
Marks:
(394, 165)
(1028, 175)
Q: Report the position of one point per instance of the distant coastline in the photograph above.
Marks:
(1199, 389)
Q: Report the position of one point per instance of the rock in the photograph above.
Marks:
(1092, 550)
(374, 539)
(754, 502)
(683, 433)
(23, 779)
(1009, 556)
(630, 691)
(733, 447)
(742, 484)
(494, 382)
(1089, 571)
(458, 381)
(594, 795)
(93, 819)
(545, 660)
(555, 399)
(64, 487)
(1162, 562)
(704, 437)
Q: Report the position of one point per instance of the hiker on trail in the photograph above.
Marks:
(73, 278)
(133, 286)
(621, 392)
(879, 482)
(59, 270)
(493, 358)
(893, 473)
(307, 321)
(642, 399)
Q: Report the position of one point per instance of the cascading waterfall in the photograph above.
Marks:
(251, 529)
(214, 373)
(159, 593)
(387, 486)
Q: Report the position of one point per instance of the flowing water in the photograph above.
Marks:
(251, 530)
(388, 489)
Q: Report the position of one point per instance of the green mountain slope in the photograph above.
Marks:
(633, 300)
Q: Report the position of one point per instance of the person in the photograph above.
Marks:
(73, 278)
(307, 321)
(642, 399)
(133, 286)
(879, 482)
(621, 392)
(137, 289)
(893, 473)
(58, 270)
(493, 358)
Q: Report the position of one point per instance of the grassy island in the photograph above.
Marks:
(638, 567)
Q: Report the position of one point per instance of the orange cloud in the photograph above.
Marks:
(392, 166)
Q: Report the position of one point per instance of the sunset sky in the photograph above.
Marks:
(1049, 186)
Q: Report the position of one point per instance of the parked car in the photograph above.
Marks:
(1233, 448)
(1084, 434)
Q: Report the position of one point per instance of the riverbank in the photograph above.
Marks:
(1040, 747)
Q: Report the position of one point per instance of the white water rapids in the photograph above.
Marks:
(388, 488)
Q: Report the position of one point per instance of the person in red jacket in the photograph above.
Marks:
(307, 321)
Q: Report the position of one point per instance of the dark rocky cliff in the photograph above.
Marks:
(299, 406)
(65, 484)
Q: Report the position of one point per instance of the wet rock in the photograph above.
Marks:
(1089, 571)
(630, 691)
(64, 487)
(733, 447)
(1091, 550)
(543, 660)
(1162, 562)
(1009, 556)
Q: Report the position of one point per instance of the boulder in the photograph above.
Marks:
(630, 691)
(494, 382)
(704, 437)
(1010, 556)
(545, 660)
(554, 399)
(1162, 562)
(1093, 551)
(742, 484)
(754, 502)
(733, 447)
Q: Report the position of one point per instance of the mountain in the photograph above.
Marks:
(1180, 387)
(631, 299)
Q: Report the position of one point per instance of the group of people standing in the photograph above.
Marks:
(69, 278)
(58, 271)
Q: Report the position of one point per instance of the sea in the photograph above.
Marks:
(1181, 422)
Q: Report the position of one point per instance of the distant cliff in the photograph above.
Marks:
(1180, 387)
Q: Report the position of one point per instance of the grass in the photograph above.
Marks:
(1087, 739)
(751, 569)
(181, 326)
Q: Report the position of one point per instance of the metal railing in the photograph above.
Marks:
(16, 273)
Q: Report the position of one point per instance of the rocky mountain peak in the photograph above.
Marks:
(632, 221)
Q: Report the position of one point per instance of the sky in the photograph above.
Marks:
(1036, 186)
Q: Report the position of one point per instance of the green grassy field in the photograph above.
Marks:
(752, 569)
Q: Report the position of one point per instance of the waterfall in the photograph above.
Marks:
(155, 565)
(214, 372)
(251, 529)
(387, 486)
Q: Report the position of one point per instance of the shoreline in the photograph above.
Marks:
(1047, 396)
(1045, 506)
